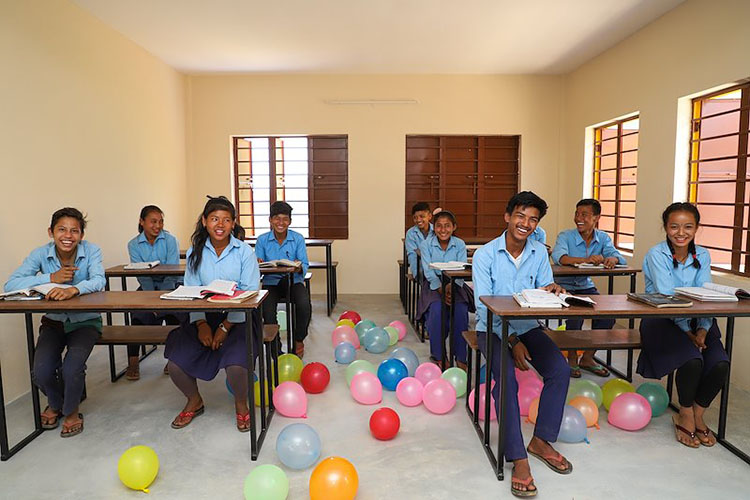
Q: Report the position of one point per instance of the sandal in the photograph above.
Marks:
(52, 422)
(189, 415)
(243, 422)
(551, 460)
(133, 373)
(575, 371)
(678, 429)
(299, 349)
(596, 369)
(529, 481)
(74, 429)
(706, 433)
(166, 368)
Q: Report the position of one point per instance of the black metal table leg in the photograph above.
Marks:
(329, 273)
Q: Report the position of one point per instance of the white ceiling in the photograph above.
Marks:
(377, 36)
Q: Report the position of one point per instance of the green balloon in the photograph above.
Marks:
(457, 378)
(392, 335)
(266, 482)
(290, 368)
(587, 389)
(362, 327)
(359, 366)
(656, 395)
(614, 388)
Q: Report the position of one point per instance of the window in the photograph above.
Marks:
(718, 176)
(308, 172)
(615, 175)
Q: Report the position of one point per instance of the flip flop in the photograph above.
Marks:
(678, 428)
(51, 424)
(190, 415)
(529, 481)
(575, 371)
(596, 369)
(77, 429)
(706, 433)
(547, 459)
(243, 419)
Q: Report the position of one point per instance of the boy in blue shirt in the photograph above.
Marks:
(418, 233)
(585, 244)
(507, 265)
(283, 243)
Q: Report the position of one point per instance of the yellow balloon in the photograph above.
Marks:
(290, 368)
(138, 467)
(346, 322)
(256, 389)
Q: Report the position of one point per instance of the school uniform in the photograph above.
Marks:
(293, 248)
(236, 263)
(430, 301)
(413, 239)
(539, 235)
(496, 272)
(63, 379)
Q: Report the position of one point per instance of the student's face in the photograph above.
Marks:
(681, 227)
(219, 225)
(66, 234)
(152, 224)
(585, 219)
(522, 222)
(280, 223)
(444, 228)
(422, 219)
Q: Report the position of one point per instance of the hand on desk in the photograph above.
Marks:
(554, 288)
(62, 293)
(610, 262)
(595, 259)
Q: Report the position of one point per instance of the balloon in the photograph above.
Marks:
(229, 387)
(362, 327)
(384, 424)
(314, 378)
(290, 368)
(457, 378)
(290, 400)
(408, 357)
(587, 389)
(533, 383)
(533, 410)
(366, 389)
(334, 478)
(298, 446)
(573, 426)
(138, 467)
(656, 396)
(483, 374)
(426, 372)
(439, 396)
(267, 392)
(527, 392)
(409, 391)
(345, 353)
(392, 335)
(344, 334)
(359, 366)
(400, 327)
(345, 322)
(629, 411)
(266, 482)
(351, 316)
(614, 388)
(493, 410)
(390, 373)
(376, 340)
(522, 376)
(588, 409)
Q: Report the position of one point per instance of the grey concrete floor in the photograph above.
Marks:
(435, 457)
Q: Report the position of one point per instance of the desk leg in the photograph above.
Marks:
(488, 397)
(451, 312)
(443, 336)
(289, 344)
(106, 288)
(249, 340)
(728, 342)
(124, 284)
(329, 273)
(501, 416)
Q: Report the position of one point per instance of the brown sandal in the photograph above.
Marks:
(189, 415)
(133, 372)
(74, 429)
(678, 428)
(243, 421)
(706, 433)
(529, 481)
(52, 422)
(551, 460)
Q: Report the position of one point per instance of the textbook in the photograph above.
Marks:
(542, 299)
(141, 265)
(586, 265)
(37, 292)
(659, 300)
(236, 298)
(712, 292)
(450, 266)
(216, 287)
(279, 263)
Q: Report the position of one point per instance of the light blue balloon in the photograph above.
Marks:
(363, 327)
(408, 357)
(376, 340)
(298, 446)
(573, 426)
(345, 353)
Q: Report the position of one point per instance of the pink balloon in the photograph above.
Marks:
(534, 383)
(366, 388)
(400, 327)
(493, 411)
(427, 371)
(629, 411)
(409, 391)
(290, 400)
(527, 392)
(344, 333)
(526, 375)
(439, 396)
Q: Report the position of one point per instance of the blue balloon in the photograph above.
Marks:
(390, 373)
(363, 327)
(298, 446)
(376, 340)
(483, 374)
(229, 387)
(573, 426)
(408, 357)
(345, 353)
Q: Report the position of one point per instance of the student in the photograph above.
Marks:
(692, 347)
(585, 244)
(152, 243)
(416, 234)
(211, 341)
(283, 243)
(442, 246)
(504, 266)
(67, 260)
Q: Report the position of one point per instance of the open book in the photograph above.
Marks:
(542, 299)
(216, 287)
(452, 265)
(141, 265)
(712, 292)
(279, 263)
(659, 300)
(37, 292)
(586, 265)
(236, 298)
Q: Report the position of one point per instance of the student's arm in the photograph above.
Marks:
(193, 279)
(96, 280)
(560, 251)
(480, 275)
(301, 255)
(249, 279)
(411, 244)
(26, 275)
(135, 256)
(609, 250)
(431, 275)
(656, 268)
(260, 249)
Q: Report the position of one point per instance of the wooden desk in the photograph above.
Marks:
(611, 306)
(566, 271)
(124, 302)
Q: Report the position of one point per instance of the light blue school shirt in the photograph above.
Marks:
(432, 252)
(165, 249)
(571, 243)
(495, 273)
(236, 263)
(539, 235)
(43, 261)
(662, 277)
(412, 240)
(267, 248)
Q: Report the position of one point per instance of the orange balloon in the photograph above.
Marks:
(588, 408)
(533, 410)
(346, 322)
(334, 478)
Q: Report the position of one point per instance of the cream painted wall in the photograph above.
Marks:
(88, 119)
(222, 106)
(697, 46)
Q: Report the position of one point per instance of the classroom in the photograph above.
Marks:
(354, 110)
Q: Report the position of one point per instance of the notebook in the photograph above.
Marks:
(37, 292)
(586, 265)
(712, 292)
(279, 263)
(542, 299)
(216, 287)
(452, 265)
(141, 265)
(659, 300)
(236, 298)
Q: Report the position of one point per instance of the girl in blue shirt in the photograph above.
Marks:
(152, 243)
(211, 341)
(67, 260)
(692, 347)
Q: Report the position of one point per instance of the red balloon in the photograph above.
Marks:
(352, 315)
(314, 378)
(384, 424)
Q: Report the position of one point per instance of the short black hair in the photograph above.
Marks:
(527, 199)
(420, 206)
(71, 212)
(281, 208)
(591, 202)
(446, 214)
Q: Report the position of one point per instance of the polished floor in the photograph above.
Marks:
(435, 457)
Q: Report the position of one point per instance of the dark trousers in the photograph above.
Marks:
(460, 324)
(300, 300)
(60, 378)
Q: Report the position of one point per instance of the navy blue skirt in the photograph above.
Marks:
(427, 297)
